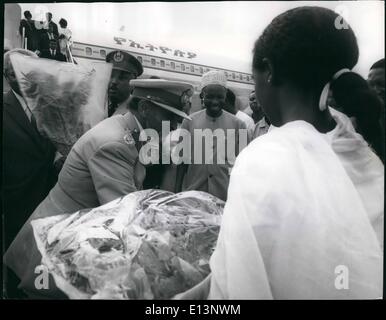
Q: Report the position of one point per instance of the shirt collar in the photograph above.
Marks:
(130, 118)
(122, 108)
(21, 101)
(212, 118)
(124, 103)
(138, 123)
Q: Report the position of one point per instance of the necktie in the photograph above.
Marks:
(31, 118)
(33, 122)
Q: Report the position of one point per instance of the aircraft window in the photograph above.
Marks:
(172, 65)
(153, 62)
(233, 75)
(201, 70)
(163, 63)
(248, 79)
(226, 74)
(182, 67)
(88, 51)
(139, 59)
(103, 53)
(192, 68)
(207, 69)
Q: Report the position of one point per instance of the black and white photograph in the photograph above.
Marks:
(224, 150)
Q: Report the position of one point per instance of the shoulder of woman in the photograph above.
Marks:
(278, 149)
(271, 150)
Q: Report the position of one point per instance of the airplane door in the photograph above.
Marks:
(12, 39)
(12, 16)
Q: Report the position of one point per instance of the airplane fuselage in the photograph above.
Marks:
(164, 65)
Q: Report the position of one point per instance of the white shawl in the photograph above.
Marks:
(304, 218)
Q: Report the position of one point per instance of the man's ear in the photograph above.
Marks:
(269, 71)
(202, 98)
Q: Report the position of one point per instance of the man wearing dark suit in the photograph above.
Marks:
(53, 24)
(46, 37)
(53, 52)
(30, 32)
(27, 162)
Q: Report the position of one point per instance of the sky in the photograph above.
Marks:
(216, 31)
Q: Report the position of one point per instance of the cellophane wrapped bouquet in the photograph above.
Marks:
(149, 244)
(66, 99)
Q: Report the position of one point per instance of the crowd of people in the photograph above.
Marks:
(304, 194)
(46, 39)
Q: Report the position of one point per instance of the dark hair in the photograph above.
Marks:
(63, 22)
(230, 98)
(27, 14)
(364, 105)
(379, 64)
(306, 48)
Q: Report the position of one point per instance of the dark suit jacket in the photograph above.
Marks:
(30, 33)
(44, 41)
(27, 167)
(58, 56)
(55, 28)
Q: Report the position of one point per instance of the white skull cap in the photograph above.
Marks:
(213, 77)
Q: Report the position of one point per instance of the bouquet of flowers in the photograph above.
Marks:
(65, 99)
(150, 244)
